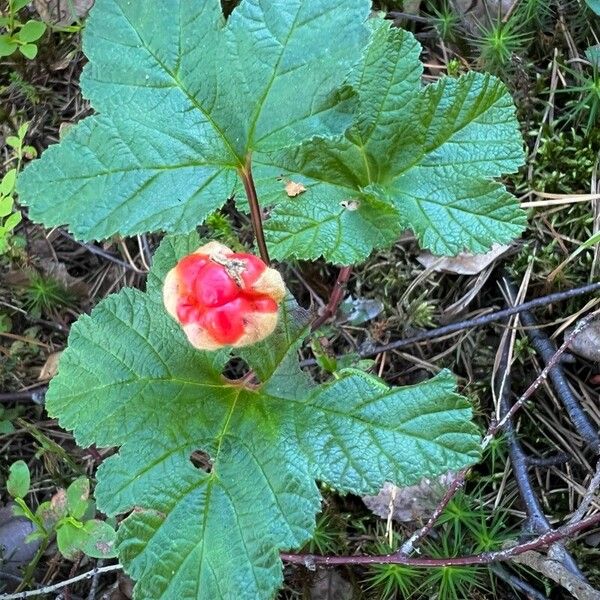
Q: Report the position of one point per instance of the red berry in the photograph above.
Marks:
(214, 286)
(221, 303)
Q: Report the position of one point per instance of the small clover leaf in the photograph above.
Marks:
(200, 455)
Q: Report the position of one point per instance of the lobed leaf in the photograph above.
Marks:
(428, 153)
(218, 476)
(184, 97)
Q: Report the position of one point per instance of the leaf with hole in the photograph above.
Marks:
(201, 455)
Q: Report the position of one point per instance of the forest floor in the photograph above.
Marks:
(545, 53)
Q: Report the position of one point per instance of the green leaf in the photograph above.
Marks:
(428, 153)
(22, 131)
(32, 31)
(7, 185)
(7, 45)
(78, 494)
(6, 206)
(184, 98)
(6, 427)
(12, 221)
(13, 141)
(17, 5)
(94, 538)
(330, 223)
(100, 541)
(18, 480)
(220, 476)
(28, 50)
(594, 5)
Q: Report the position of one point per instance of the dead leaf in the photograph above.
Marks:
(587, 343)
(64, 128)
(63, 12)
(59, 501)
(330, 585)
(294, 189)
(478, 13)
(58, 271)
(410, 503)
(464, 263)
(50, 368)
(61, 63)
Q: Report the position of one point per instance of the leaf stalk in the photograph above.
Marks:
(255, 211)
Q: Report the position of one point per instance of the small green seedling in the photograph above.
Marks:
(7, 416)
(19, 36)
(10, 217)
(68, 515)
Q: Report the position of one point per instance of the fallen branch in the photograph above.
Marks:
(536, 522)
(557, 572)
(409, 545)
(492, 317)
(547, 351)
(484, 558)
(35, 394)
(57, 586)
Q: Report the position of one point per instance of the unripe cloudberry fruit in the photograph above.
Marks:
(223, 298)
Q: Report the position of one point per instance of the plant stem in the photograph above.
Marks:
(336, 297)
(30, 570)
(255, 212)
(555, 535)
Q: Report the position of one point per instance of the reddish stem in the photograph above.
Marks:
(484, 558)
(335, 299)
(255, 212)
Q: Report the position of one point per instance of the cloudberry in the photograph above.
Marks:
(223, 298)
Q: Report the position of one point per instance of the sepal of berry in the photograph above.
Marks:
(223, 298)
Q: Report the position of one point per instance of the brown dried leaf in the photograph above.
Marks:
(478, 13)
(59, 502)
(293, 189)
(58, 271)
(50, 368)
(464, 263)
(330, 585)
(410, 503)
(63, 12)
